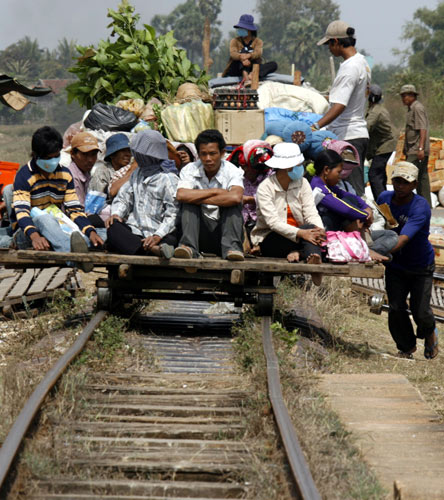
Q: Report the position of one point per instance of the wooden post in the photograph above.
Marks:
(207, 61)
(297, 78)
(255, 77)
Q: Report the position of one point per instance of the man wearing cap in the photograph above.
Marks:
(84, 151)
(411, 270)
(348, 95)
(382, 141)
(417, 144)
(144, 212)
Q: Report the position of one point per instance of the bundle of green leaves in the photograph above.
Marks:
(137, 65)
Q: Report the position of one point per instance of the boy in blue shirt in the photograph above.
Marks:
(411, 270)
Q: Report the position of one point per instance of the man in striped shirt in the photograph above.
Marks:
(41, 183)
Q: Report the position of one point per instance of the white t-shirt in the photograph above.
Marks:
(350, 89)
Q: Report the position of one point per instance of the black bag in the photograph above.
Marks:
(110, 118)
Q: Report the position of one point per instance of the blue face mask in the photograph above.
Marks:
(48, 165)
(242, 32)
(296, 173)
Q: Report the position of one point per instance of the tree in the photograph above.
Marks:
(290, 30)
(136, 65)
(426, 35)
(187, 21)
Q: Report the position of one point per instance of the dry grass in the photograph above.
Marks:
(15, 142)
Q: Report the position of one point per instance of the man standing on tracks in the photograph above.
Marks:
(382, 141)
(411, 270)
(348, 96)
(211, 192)
(417, 144)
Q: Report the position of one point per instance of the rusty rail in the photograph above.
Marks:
(17, 432)
(301, 473)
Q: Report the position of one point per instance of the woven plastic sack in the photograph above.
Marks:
(110, 118)
(298, 132)
(346, 247)
(183, 122)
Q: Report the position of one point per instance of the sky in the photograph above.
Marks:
(378, 23)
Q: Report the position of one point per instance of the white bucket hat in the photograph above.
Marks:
(285, 155)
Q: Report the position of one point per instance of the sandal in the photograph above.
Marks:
(183, 252)
(432, 351)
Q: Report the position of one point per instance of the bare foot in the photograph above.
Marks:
(256, 250)
(315, 258)
(293, 257)
(377, 257)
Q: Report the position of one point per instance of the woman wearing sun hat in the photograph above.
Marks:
(288, 224)
(246, 50)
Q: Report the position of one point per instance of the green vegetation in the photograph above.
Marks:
(136, 65)
(107, 340)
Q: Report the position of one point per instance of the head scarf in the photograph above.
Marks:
(340, 147)
(149, 149)
(252, 153)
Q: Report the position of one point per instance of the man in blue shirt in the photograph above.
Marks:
(411, 270)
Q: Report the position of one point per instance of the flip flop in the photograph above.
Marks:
(430, 352)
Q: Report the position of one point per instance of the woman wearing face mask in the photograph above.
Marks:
(288, 224)
(246, 50)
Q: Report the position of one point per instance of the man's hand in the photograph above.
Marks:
(246, 62)
(420, 155)
(315, 236)
(249, 200)
(369, 219)
(151, 241)
(95, 239)
(39, 242)
(113, 218)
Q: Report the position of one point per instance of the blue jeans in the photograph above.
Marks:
(383, 241)
(49, 228)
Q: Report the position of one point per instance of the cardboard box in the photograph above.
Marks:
(240, 126)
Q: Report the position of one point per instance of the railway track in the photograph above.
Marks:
(175, 433)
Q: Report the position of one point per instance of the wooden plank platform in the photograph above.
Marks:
(36, 259)
(20, 287)
(400, 436)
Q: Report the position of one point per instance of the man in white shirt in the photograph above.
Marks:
(211, 191)
(348, 96)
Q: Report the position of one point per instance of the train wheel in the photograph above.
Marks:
(264, 306)
(104, 299)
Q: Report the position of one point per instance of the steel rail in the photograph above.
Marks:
(299, 467)
(17, 432)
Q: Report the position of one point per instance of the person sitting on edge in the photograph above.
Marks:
(41, 183)
(288, 224)
(84, 151)
(344, 211)
(412, 267)
(211, 191)
(144, 212)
